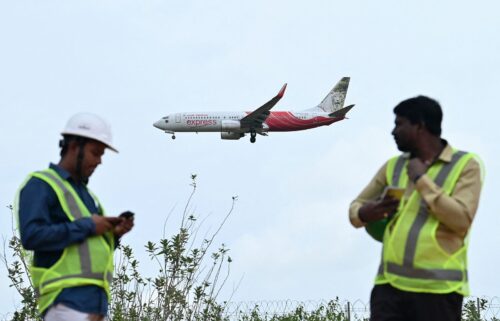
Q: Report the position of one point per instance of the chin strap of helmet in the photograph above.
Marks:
(81, 141)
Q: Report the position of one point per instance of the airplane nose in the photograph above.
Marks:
(159, 124)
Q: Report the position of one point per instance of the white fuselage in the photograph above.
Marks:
(229, 121)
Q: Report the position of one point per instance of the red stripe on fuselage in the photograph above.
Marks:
(283, 121)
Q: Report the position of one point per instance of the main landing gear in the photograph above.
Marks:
(252, 136)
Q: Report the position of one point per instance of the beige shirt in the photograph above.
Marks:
(455, 212)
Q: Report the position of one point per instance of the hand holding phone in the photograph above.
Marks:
(127, 215)
(126, 223)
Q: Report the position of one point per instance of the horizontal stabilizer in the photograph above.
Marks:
(341, 112)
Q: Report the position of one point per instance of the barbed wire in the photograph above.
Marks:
(353, 310)
(492, 309)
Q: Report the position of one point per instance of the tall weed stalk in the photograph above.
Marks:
(189, 276)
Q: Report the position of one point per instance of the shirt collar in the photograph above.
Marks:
(61, 171)
(65, 174)
(446, 153)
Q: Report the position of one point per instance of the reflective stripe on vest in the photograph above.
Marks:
(397, 172)
(407, 269)
(83, 248)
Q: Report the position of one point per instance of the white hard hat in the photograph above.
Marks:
(90, 126)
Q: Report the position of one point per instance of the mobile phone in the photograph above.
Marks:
(127, 215)
(393, 192)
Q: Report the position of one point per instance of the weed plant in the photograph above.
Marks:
(188, 281)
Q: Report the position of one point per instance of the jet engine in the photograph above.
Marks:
(231, 135)
(230, 125)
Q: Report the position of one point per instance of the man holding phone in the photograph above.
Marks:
(63, 223)
(423, 271)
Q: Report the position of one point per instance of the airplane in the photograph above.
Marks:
(234, 125)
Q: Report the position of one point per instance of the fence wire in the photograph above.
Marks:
(358, 310)
(492, 308)
(487, 310)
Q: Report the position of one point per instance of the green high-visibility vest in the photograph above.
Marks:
(412, 259)
(87, 263)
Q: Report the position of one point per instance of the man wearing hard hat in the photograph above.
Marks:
(64, 224)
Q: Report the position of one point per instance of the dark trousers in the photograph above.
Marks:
(390, 304)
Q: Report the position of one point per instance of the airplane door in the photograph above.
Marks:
(177, 118)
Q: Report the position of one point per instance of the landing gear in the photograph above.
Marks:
(170, 132)
(252, 136)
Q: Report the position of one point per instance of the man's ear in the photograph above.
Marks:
(72, 147)
(421, 126)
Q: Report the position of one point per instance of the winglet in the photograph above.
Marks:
(282, 91)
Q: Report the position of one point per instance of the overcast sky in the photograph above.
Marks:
(133, 62)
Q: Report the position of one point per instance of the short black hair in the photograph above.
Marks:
(64, 142)
(422, 109)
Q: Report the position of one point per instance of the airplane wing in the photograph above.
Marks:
(258, 116)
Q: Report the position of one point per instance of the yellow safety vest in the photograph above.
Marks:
(412, 259)
(87, 263)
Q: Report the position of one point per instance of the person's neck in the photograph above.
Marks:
(65, 164)
(430, 150)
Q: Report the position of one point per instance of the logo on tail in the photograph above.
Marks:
(335, 99)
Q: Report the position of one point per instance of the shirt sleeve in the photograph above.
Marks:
(370, 193)
(456, 211)
(39, 228)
